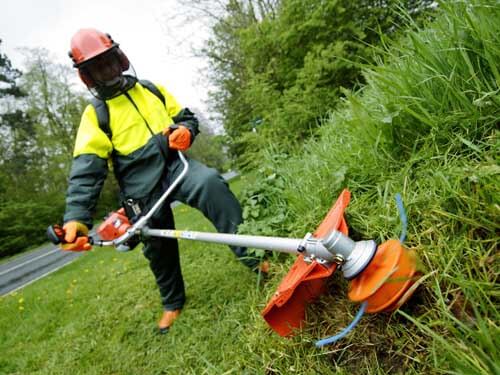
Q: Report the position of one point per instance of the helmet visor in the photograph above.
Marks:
(104, 69)
(105, 74)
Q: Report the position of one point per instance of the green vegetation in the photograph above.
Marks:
(418, 114)
(280, 68)
(425, 125)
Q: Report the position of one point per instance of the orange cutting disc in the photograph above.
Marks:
(376, 274)
(412, 286)
(384, 282)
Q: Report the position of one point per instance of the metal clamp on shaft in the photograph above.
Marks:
(303, 244)
(357, 254)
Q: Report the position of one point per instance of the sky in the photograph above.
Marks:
(157, 42)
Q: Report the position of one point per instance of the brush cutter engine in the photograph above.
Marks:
(115, 225)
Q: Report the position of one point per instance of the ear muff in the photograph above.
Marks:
(86, 78)
(124, 62)
(70, 54)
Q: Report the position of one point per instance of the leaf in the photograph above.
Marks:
(245, 212)
(469, 144)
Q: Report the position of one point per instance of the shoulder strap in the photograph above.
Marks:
(151, 87)
(102, 111)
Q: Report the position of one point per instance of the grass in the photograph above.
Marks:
(425, 126)
(98, 316)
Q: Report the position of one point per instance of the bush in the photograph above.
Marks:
(23, 224)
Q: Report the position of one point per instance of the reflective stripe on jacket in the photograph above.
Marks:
(137, 158)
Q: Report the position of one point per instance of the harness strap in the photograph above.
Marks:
(102, 110)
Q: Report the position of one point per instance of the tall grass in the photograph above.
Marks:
(426, 125)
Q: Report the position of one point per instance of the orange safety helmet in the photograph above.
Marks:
(89, 44)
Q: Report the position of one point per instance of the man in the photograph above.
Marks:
(137, 125)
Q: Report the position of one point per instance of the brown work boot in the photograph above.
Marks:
(167, 320)
(264, 267)
(262, 270)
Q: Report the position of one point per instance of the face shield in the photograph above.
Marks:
(108, 74)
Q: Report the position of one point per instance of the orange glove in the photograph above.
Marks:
(179, 137)
(76, 237)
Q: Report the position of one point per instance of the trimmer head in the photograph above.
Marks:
(384, 283)
(380, 275)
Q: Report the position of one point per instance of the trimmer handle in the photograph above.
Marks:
(55, 234)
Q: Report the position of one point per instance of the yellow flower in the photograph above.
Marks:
(21, 308)
(21, 300)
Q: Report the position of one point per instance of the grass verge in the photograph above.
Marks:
(98, 316)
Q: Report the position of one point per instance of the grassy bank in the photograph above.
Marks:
(426, 126)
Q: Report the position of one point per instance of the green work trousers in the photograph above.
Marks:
(204, 189)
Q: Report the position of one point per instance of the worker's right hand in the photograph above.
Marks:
(179, 137)
(75, 237)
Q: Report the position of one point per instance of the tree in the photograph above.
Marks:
(16, 129)
(8, 77)
(41, 112)
(208, 147)
(289, 64)
(53, 99)
(22, 215)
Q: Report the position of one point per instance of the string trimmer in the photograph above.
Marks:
(380, 276)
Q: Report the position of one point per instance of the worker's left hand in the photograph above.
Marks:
(179, 137)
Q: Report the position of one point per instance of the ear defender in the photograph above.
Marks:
(70, 54)
(124, 62)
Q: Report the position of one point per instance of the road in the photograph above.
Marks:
(33, 266)
(46, 259)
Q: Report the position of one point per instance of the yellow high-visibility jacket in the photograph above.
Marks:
(137, 148)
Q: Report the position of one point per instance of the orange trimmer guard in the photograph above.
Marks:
(305, 281)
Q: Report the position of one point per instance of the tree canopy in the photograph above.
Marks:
(284, 64)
